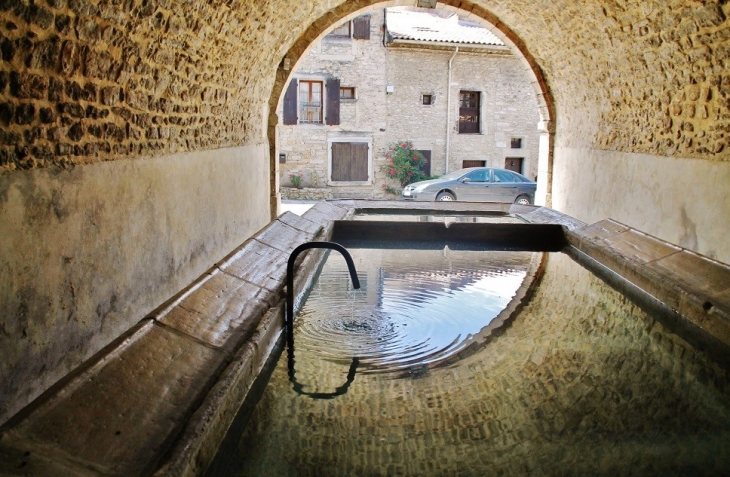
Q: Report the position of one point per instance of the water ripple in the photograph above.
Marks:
(406, 316)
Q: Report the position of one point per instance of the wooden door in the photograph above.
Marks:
(349, 161)
(514, 164)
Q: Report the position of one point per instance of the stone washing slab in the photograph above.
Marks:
(603, 229)
(302, 224)
(696, 272)
(209, 425)
(543, 215)
(280, 236)
(696, 287)
(221, 312)
(258, 263)
(153, 381)
(325, 211)
(639, 247)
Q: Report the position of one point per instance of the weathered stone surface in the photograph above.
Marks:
(544, 215)
(300, 223)
(257, 263)
(153, 362)
(694, 272)
(640, 247)
(222, 311)
(281, 236)
(324, 211)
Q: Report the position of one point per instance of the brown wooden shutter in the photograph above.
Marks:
(333, 101)
(361, 28)
(349, 161)
(290, 102)
(426, 167)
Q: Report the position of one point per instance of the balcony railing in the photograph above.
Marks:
(310, 112)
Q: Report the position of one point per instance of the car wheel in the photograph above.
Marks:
(522, 200)
(445, 196)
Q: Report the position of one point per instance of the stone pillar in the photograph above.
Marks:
(544, 173)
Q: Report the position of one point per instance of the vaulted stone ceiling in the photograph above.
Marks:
(84, 81)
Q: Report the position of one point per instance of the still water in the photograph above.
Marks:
(578, 382)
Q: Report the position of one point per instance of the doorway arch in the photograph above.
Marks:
(474, 13)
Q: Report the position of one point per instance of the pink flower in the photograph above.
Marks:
(392, 171)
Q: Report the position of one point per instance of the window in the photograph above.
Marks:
(516, 143)
(310, 102)
(427, 99)
(359, 29)
(350, 162)
(505, 176)
(347, 92)
(473, 163)
(469, 112)
(342, 30)
(481, 175)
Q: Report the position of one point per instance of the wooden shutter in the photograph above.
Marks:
(361, 28)
(349, 161)
(290, 102)
(426, 167)
(473, 163)
(333, 101)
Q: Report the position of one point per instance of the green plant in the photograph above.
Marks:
(403, 164)
(390, 190)
(296, 180)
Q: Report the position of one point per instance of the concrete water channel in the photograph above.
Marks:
(160, 400)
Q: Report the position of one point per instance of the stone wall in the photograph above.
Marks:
(508, 106)
(356, 63)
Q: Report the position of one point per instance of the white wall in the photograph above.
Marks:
(683, 201)
(86, 253)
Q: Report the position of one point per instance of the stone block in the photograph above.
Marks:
(257, 263)
(639, 247)
(130, 379)
(222, 311)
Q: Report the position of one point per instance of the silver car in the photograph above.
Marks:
(475, 184)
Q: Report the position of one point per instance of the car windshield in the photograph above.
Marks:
(453, 175)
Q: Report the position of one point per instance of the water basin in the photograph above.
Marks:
(575, 380)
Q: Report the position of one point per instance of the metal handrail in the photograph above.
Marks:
(298, 387)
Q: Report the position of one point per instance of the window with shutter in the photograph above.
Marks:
(469, 112)
(310, 101)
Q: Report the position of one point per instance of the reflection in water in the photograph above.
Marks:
(581, 383)
(404, 315)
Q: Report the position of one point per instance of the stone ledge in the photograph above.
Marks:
(696, 287)
(155, 377)
(305, 193)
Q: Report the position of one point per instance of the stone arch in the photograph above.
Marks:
(475, 13)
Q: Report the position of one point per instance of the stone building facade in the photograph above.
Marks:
(394, 89)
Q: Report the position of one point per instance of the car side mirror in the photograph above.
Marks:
(465, 180)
